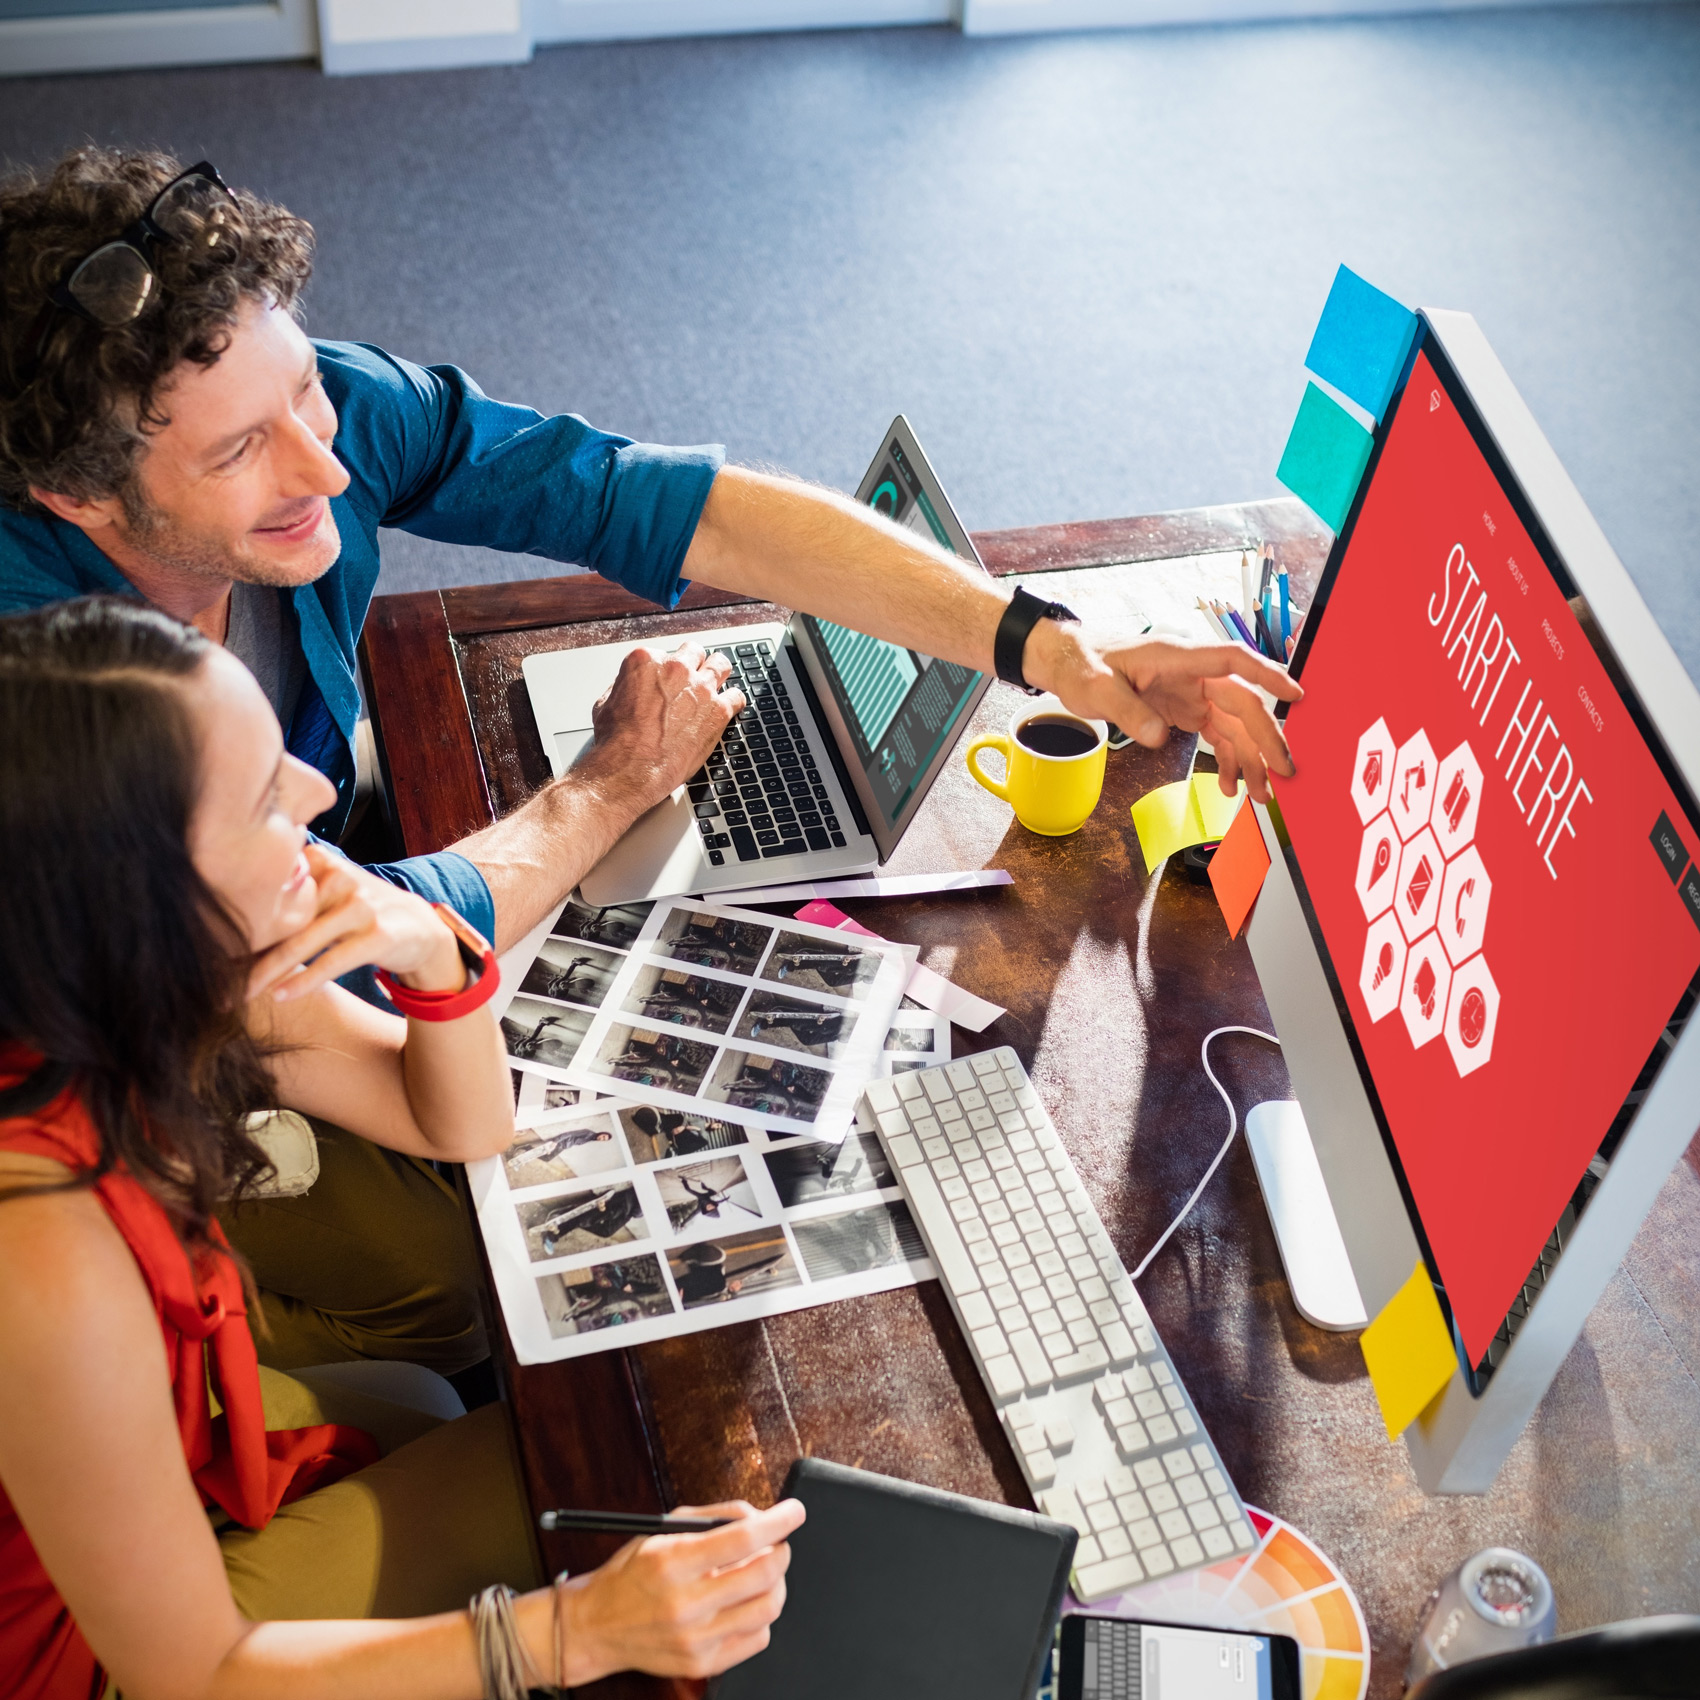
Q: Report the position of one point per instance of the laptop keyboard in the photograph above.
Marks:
(760, 792)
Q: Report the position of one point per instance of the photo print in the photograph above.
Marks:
(910, 1036)
(805, 1174)
(564, 1150)
(570, 972)
(821, 965)
(879, 1237)
(581, 1221)
(707, 940)
(546, 1033)
(683, 999)
(769, 1085)
(716, 1194)
(790, 1024)
(655, 1134)
(607, 1295)
(741, 1266)
(616, 928)
(537, 1096)
(643, 1057)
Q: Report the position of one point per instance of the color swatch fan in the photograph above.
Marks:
(1284, 1586)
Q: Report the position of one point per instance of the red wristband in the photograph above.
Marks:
(480, 959)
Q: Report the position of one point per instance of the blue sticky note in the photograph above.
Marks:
(1325, 457)
(1361, 342)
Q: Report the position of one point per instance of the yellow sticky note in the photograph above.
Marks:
(1409, 1352)
(1167, 821)
(1191, 811)
(1215, 812)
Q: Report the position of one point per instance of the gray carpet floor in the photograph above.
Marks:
(1087, 267)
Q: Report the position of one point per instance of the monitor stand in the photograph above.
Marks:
(1312, 1252)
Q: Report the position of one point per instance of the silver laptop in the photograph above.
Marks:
(824, 770)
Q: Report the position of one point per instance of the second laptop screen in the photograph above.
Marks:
(899, 705)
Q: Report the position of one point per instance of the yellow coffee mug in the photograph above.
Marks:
(1053, 764)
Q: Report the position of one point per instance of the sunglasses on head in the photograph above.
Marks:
(112, 285)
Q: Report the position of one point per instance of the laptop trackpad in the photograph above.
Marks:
(659, 857)
(569, 746)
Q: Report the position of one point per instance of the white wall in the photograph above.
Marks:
(219, 35)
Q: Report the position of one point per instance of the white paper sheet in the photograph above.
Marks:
(719, 1010)
(873, 885)
(617, 1222)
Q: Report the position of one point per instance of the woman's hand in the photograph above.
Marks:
(360, 920)
(680, 1605)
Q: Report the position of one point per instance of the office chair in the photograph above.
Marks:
(1649, 1656)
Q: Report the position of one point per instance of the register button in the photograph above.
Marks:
(1690, 893)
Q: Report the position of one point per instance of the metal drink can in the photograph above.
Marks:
(1491, 1603)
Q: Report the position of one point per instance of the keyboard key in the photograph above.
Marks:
(949, 1254)
(1111, 1576)
(720, 841)
(816, 835)
(716, 857)
(837, 840)
(1217, 1543)
(766, 837)
(1004, 1374)
(735, 817)
(744, 842)
(905, 1152)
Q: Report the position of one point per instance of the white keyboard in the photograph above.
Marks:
(1107, 1438)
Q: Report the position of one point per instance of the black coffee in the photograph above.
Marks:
(1056, 735)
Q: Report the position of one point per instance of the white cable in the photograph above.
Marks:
(1233, 1128)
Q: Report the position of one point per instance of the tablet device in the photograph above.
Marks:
(896, 1589)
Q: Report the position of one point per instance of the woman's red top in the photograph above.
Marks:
(235, 1463)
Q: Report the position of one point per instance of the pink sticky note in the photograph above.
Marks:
(820, 913)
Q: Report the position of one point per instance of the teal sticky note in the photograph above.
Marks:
(1325, 457)
(1361, 342)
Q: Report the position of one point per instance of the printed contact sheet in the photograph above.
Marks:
(613, 1222)
(690, 1004)
(710, 1172)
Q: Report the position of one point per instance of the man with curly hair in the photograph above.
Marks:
(167, 431)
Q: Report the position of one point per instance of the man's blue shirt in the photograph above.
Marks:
(427, 452)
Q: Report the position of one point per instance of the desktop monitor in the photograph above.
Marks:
(1480, 935)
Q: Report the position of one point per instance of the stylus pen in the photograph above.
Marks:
(1286, 613)
(625, 1523)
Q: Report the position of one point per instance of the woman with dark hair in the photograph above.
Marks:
(176, 1520)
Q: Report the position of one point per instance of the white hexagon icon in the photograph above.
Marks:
(1412, 793)
(1472, 1014)
(1416, 895)
(1422, 994)
(1378, 867)
(1464, 896)
(1383, 972)
(1372, 773)
(1457, 800)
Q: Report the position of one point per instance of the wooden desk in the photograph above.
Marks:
(1111, 982)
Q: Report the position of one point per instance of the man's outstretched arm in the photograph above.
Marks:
(654, 729)
(815, 550)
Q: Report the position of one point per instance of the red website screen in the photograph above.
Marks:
(1502, 876)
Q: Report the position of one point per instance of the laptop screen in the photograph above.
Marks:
(900, 710)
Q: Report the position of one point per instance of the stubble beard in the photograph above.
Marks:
(175, 547)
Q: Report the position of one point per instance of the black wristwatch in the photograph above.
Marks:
(1019, 618)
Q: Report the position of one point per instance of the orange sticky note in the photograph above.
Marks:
(1409, 1352)
(1238, 868)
